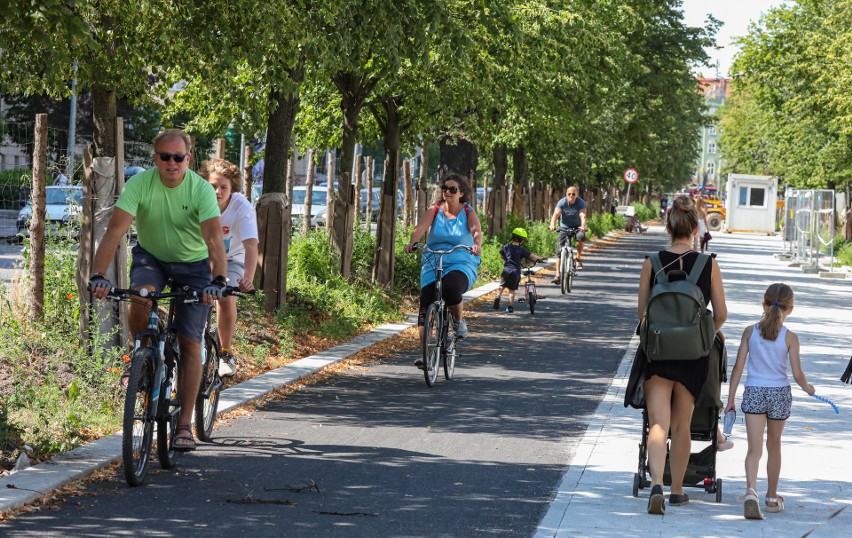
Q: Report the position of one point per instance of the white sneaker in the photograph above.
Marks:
(461, 329)
(227, 365)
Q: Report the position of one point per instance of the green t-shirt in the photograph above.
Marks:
(168, 220)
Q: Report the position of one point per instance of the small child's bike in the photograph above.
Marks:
(530, 293)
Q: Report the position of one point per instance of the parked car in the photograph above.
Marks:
(63, 204)
(318, 203)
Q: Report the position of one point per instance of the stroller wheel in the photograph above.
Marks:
(637, 481)
(718, 490)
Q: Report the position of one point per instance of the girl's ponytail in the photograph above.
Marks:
(777, 300)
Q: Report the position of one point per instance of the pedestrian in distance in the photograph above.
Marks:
(671, 386)
(766, 347)
(450, 221)
(239, 232)
(513, 254)
(701, 239)
(179, 236)
(570, 213)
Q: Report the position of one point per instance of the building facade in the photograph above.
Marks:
(708, 166)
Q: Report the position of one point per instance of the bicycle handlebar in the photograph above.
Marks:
(184, 294)
(426, 248)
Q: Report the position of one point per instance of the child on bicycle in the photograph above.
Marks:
(767, 400)
(513, 253)
(239, 231)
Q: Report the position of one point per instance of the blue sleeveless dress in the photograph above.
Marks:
(444, 234)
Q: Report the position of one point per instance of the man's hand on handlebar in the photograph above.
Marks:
(476, 250)
(411, 247)
(214, 290)
(99, 285)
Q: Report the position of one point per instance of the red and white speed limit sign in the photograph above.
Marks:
(631, 175)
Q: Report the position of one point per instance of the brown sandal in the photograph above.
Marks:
(184, 442)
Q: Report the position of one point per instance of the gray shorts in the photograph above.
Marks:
(774, 402)
(563, 236)
(236, 270)
(145, 269)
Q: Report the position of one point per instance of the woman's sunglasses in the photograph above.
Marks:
(452, 189)
(178, 157)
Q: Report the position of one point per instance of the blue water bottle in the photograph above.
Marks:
(730, 418)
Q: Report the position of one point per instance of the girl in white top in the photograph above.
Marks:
(239, 231)
(767, 400)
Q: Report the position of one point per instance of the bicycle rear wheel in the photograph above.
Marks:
(138, 427)
(431, 344)
(207, 402)
(450, 343)
(532, 297)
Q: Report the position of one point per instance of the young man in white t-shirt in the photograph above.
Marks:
(239, 231)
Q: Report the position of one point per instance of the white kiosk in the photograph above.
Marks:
(751, 203)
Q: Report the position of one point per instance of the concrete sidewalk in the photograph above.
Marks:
(595, 497)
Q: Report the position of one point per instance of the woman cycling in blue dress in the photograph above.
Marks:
(451, 222)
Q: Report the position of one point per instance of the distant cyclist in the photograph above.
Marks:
(512, 254)
(571, 212)
(450, 221)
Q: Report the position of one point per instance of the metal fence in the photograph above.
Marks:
(809, 226)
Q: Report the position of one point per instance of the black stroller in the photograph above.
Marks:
(701, 469)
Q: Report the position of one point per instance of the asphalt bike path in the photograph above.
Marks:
(374, 452)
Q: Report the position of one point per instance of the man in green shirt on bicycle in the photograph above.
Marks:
(179, 237)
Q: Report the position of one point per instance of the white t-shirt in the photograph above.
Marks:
(238, 224)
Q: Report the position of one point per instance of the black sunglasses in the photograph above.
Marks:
(178, 157)
(453, 190)
(569, 194)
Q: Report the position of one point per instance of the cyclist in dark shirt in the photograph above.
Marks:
(512, 254)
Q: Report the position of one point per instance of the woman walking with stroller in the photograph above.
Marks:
(767, 400)
(672, 386)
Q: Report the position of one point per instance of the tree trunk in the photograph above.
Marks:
(353, 90)
(37, 220)
(247, 175)
(330, 175)
(356, 209)
(309, 193)
(369, 210)
(106, 186)
(383, 261)
(423, 181)
(497, 201)
(406, 195)
(274, 245)
(520, 180)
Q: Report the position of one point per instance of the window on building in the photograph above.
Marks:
(752, 196)
(711, 147)
(711, 169)
(712, 129)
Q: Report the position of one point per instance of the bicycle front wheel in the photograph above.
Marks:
(138, 427)
(563, 270)
(450, 345)
(207, 402)
(532, 297)
(431, 344)
(568, 283)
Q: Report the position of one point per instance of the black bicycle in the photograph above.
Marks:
(439, 343)
(152, 397)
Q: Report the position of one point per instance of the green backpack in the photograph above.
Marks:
(676, 324)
